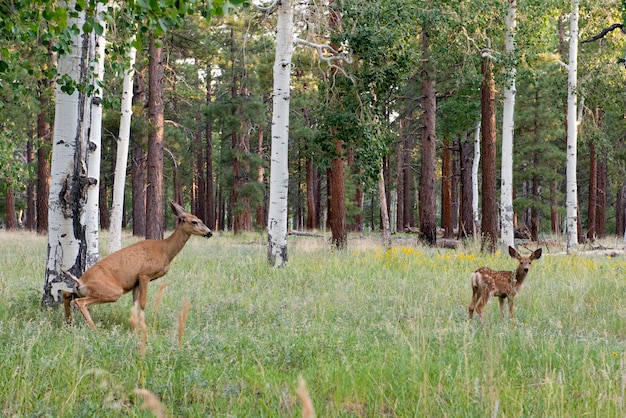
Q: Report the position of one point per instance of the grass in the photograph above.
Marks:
(371, 332)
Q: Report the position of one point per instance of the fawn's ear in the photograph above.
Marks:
(513, 252)
(536, 255)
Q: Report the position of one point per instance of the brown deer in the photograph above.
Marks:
(503, 284)
(132, 268)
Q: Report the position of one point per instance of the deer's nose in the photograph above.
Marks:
(525, 269)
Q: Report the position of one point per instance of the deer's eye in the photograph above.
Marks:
(194, 222)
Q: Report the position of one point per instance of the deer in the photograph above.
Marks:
(132, 268)
(486, 283)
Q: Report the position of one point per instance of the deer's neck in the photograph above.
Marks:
(519, 276)
(175, 242)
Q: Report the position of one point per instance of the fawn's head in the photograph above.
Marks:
(524, 262)
(190, 223)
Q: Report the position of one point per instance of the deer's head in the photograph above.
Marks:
(190, 223)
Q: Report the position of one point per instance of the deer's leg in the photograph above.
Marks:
(483, 301)
(511, 307)
(502, 307)
(105, 292)
(475, 296)
(67, 300)
(140, 292)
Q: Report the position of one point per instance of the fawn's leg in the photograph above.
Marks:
(475, 296)
(486, 294)
(511, 307)
(502, 307)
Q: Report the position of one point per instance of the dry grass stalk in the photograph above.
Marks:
(138, 319)
(307, 404)
(152, 403)
(159, 297)
(182, 321)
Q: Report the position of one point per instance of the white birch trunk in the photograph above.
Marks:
(92, 205)
(572, 86)
(123, 140)
(475, 166)
(279, 171)
(507, 235)
(70, 176)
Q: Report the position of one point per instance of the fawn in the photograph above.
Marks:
(132, 268)
(503, 284)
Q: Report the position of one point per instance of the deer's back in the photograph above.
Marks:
(126, 265)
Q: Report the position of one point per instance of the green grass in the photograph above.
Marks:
(372, 332)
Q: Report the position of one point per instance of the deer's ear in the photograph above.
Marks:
(177, 209)
(537, 254)
(513, 252)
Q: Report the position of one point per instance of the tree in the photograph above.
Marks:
(572, 131)
(428, 193)
(506, 186)
(68, 241)
(117, 208)
(279, 174)
(489, 225)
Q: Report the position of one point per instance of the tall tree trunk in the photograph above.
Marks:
(400, 181)
(121, 161)
(600, 225)
(311, 180)
(70, 181)
(555, 222)
(428, 189)
(31, 202)
(407, 201)
(199, 182)
(489, 224)
(10, 215)
(466, 218)
(506, 184)
(260, 210)
(337, 209)
(474, 178)
(446, 190)
(279, 168)
(534, 211)
(210, 197)
(620, 210)
(456, 179)
(154, 191)
(384, 213)
(572, 92)
(593, 189)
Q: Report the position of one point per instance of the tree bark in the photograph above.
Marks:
(70, 175)
(428, 189)
(572, 92)
(446, 190)
(10, 215)
(489, 226)
(31, 201)
(466, 218)
(210, 198)
(123, 141)
(506, 183)
(154, 191)
(279, 168)
(600, 225)
(593, 189)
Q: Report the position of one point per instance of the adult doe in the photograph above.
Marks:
(502, 284)
(132, 268)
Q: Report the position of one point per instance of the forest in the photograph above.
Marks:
(404, 97)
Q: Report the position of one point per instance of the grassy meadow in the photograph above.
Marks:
(372, 332)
